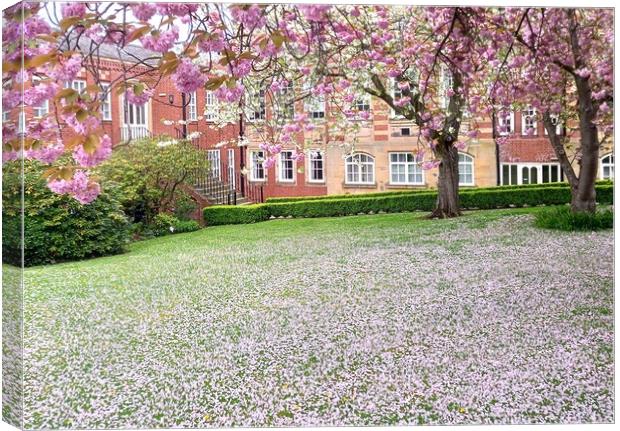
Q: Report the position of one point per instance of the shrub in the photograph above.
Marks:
(56, 227)
(235, 214)
(562, 218)
(422, 190)
(166, 224)
(498, 197)
(147, 177)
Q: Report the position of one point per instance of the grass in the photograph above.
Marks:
(562, 218)
(364, 320)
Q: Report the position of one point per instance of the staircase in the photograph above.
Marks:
(213, 184)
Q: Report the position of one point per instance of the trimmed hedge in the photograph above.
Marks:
(235, 214)
(416, 191)
(498, 197)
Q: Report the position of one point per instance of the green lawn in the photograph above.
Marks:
(384, 319)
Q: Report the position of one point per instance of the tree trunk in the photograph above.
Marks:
(583, 197)
(448, 204)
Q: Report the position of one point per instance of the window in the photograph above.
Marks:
(286, 171)
(316, 168)
(106, 102)
(231, 167)
(213, 156)
(286, 102)
(405, 169)
(256, 106)
(409, 76)
(6, 116)
(210, 106)
(192, 114)
(555, 120)
(607, 167)
(360, 169)
(362, 104)
(21, 122)
(506, 123)
(530, 173)
(315, 106)
(466, 170)
(446, 84)
(528, 122)
(134, 114)
(258, 171)
(41, 110)
(77, 84)
(509, 175)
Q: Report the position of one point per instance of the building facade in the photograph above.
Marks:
(383, 158)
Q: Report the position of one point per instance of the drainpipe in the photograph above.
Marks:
(241, 155)
(497, 164)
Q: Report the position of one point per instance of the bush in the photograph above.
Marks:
(498, 197)
(147, 177)
(56, 227)
(235, 214)
(166, 224)
(416, 191)
(562, 218)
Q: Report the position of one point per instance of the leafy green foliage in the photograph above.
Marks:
(56, 227)
(235, 214)
(147, 176)
(562, 218)
(166, 224)
(490, 198)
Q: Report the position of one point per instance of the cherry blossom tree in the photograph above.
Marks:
(432, 66)
(560, 63)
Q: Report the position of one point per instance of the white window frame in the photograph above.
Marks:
(357, 174)
(525, 114)
(409, 166)
(315, 107)
(140, 114)
(607, 164)
(467, 160)
(284, 157)
(41, 110)
(397, 93)
(501, 122)
(211, 106)
(256, 165)
(231, 167)
(6, 116)
(530, 167)
(21, 122)
(251, 113)
(558, 125)
(446, 83)
(286, 101)
(313, 157)
(77, 84)
(214, 158)
(192, 107)
(106, 113)
(362, 101)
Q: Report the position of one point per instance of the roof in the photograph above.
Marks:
(534, 150)
(131, 53)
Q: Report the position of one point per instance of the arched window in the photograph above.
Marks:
(360, 169)
(466, 170)
(607, 167)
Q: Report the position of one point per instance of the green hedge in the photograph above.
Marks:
(417, 191)
(498, 197)
(235, 214)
